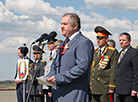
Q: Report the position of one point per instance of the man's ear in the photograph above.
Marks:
(75, 26)
(107, 39)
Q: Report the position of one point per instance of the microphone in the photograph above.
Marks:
(53, 34)
(41, 39)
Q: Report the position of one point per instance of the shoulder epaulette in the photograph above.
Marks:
(112, 85)
(111, 48)
(31, 64)
(43, 61)
(92, 64)
(96, 49)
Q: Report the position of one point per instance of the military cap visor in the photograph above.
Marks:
(102, 31)
(37, 50)
(51, 40)
(100, 37)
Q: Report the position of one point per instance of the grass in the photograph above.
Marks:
(7, 86)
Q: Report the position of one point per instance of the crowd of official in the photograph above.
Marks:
(78, 71)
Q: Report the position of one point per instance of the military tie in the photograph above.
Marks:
(99, 52)
(50, 57)
(50, 53)
(121, 56)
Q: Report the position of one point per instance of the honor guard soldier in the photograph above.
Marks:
(39, 66)
(103, 68)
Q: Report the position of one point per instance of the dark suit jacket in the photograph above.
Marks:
(126, 74)
(71, 71)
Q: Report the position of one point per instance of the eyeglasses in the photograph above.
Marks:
(100, 37)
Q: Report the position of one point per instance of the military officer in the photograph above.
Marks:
(103, 68)
(40, 71)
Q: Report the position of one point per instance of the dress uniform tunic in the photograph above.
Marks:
(39, 87)
(102, 71)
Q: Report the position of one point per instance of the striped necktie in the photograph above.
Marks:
(121, 56)
(66, 41)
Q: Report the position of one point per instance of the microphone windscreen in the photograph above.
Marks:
(52, 34)
(44, 35)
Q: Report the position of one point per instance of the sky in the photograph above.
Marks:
(23, 21)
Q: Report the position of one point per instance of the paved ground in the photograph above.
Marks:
(8, 96)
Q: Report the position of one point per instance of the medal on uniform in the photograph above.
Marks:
(103, 61)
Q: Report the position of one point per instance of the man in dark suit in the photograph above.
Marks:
(71, 68)
(126, 74)
(103, 68)
(38, 66)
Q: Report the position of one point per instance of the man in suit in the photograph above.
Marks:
(22, 53)
(103, 68)
(38, 66)
(71, 68)
(126, 75)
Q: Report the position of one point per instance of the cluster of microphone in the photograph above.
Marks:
(45, 36)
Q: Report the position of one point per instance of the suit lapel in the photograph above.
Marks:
(127, 52)
(75, 39)
(96, 57)
(117, 64)
(56, 61)
(125, 55)
(103, 53)
(57, 58)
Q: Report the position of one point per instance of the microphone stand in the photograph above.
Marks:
(30, 51)
(34, 80)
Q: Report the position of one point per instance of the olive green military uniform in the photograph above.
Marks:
(102, 72)
(36, 68)
(39, 87)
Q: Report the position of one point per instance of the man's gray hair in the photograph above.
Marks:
(74, 18)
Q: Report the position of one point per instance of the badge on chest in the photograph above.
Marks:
(103, 61)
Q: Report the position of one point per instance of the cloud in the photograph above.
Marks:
(10, 44)
(113, 4)
(37, 7)
(92, 20)
(24, 24)
(91, 35)
(48, 24)
(114, 24)
(31, 18)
